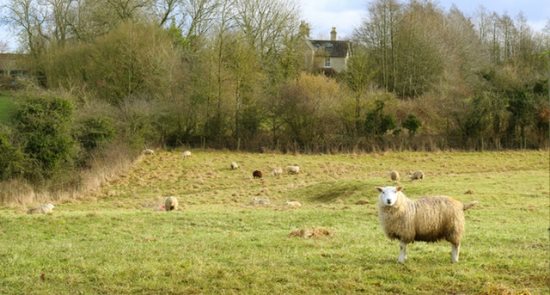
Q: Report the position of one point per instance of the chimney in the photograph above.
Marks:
(333, 34)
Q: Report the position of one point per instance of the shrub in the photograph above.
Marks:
(412, 123)
(43, 130)
(11, 158)
(94, 132)
(377, 122)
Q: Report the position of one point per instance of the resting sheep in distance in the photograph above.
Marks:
(417, 175)
(293, 204)
(428, 219)
(257, 174)
(293, 169)
(171, 203)
(42, 209)
(277, 171)
(234, 166)
(148, 152)
(394, 175)
(186, 154)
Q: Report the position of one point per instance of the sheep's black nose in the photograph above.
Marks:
(388, 201)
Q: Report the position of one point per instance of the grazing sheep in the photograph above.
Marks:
(42, 209)
(293, 204)
(277, 171)
(186, 154)
(293, 169)
(394, 175)
(148, 152)
(171, 203)
(427, 219)
(234, 166)
(257, 174)
(417, 175)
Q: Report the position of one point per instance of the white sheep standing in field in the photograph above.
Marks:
(293, 169)
(394, 175)
(417, 175)
(277, 171)
(171, 203)
(427, 219)
(42, 209)
(186, 154)
(234, 166)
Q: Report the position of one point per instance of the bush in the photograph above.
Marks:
(11, 158)
(377, 122)
(94, 132)
(412, 123)
(43, 130)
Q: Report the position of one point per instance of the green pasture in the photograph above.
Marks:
(116, 241)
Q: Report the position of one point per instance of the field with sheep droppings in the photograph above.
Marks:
(234, 234)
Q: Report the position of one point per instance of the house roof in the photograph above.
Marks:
(332, 48)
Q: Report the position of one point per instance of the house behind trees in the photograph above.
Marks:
(328, 56)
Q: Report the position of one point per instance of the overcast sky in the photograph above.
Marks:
(346, 15)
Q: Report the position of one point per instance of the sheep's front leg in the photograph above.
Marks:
(402, 252)
(455, 252)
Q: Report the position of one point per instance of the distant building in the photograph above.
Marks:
(11, 65)
(329, 56)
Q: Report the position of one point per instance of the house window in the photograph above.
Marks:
(327, 62)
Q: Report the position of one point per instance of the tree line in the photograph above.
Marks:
(230, 74)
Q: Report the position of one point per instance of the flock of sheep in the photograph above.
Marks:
(427, 219)
(171, 203)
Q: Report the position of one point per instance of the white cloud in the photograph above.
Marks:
(322, 15)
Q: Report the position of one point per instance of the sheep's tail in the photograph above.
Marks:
(469, 205)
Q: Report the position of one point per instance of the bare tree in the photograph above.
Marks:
(378, 32)
(265, 23)
(28, 18)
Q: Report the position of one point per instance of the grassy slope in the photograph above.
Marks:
(113, 241)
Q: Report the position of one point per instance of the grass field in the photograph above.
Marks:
(115, 241)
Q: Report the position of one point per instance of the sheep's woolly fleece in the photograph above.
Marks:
(394, 175)
(171, 203)
(427, 219)
(42, 209)
(293, 169)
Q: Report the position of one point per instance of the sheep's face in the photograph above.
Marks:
(388, 195)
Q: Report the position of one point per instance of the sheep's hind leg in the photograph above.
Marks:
(402, 252)
(455, 252)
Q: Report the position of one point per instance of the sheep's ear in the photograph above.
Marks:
(380, 189)
(399, 188)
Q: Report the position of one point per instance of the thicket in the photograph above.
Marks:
(229, 74)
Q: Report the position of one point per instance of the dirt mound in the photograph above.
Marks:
(309, 233)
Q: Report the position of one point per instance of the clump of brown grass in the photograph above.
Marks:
(362, 202)
(499, 289)
(16, 191)
(308, 233)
